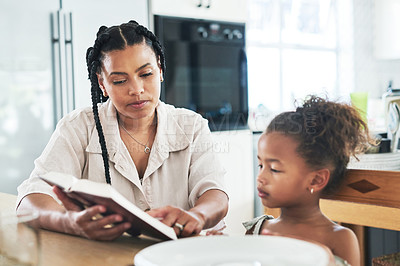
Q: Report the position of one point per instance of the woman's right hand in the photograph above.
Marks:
(89, 222)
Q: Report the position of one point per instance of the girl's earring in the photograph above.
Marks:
(162, 79)
(312, 190)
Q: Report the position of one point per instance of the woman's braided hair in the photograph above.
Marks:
(110, 39)
(328, 134)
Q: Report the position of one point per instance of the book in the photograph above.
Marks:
(87, 193)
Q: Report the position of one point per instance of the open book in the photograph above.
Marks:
(87, 193)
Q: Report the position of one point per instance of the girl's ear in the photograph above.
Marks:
(320, 180)
(101, 84)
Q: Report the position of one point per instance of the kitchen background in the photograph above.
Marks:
(294, 47)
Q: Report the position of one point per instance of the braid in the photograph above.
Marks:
(93, 65)
(99, 128)
(110, 39)
(101, 30)
(154, 42)
(133, 22)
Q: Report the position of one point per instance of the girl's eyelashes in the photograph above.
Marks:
(274, 170)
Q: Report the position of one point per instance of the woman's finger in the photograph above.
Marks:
(168, 215)
(67, 202)
(88, 214)
(101, 228)
(183, 222)
(102, 222)
(112, 233)
(158, 213)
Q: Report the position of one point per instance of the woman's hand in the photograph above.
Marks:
(185, 223)
(210, 208)
(217, 230)
(89, 222)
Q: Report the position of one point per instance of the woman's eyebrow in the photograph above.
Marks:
(124, 73)
(117, 73)
(140, 68)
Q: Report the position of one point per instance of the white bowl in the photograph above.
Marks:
(248, 250)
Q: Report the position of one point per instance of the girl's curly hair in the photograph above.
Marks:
(328, 133)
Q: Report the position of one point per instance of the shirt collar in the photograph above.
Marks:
(170, 136)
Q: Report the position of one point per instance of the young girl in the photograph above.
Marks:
(302, 155)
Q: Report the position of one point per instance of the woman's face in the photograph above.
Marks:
(132, 79)
(283, 176)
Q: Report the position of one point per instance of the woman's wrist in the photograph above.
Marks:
(59, 220)
(200, 216)
(54, 220)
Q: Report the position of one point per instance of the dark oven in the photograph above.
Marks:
(206, 69)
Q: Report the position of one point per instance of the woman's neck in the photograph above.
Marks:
(140, 124)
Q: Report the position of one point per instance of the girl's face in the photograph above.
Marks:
(132, 79)
(283, 178)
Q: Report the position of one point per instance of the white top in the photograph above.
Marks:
(181, 167)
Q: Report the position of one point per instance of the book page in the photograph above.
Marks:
(87, 193)
(60, 180)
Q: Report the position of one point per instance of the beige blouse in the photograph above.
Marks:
(181, 167)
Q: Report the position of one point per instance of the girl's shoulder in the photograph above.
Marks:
(335, 235)
(340, 231)
(344, 243)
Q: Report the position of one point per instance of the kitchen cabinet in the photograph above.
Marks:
(39, 39)
(235, 151)
(222, 10)
(386, 28)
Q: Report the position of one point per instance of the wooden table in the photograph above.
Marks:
(64, 250)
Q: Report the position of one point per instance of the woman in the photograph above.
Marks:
(157, 156)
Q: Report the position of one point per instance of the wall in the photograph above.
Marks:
(371, 74)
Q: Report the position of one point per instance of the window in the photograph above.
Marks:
(294, 49)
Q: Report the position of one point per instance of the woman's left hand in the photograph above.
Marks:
(185, 223)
